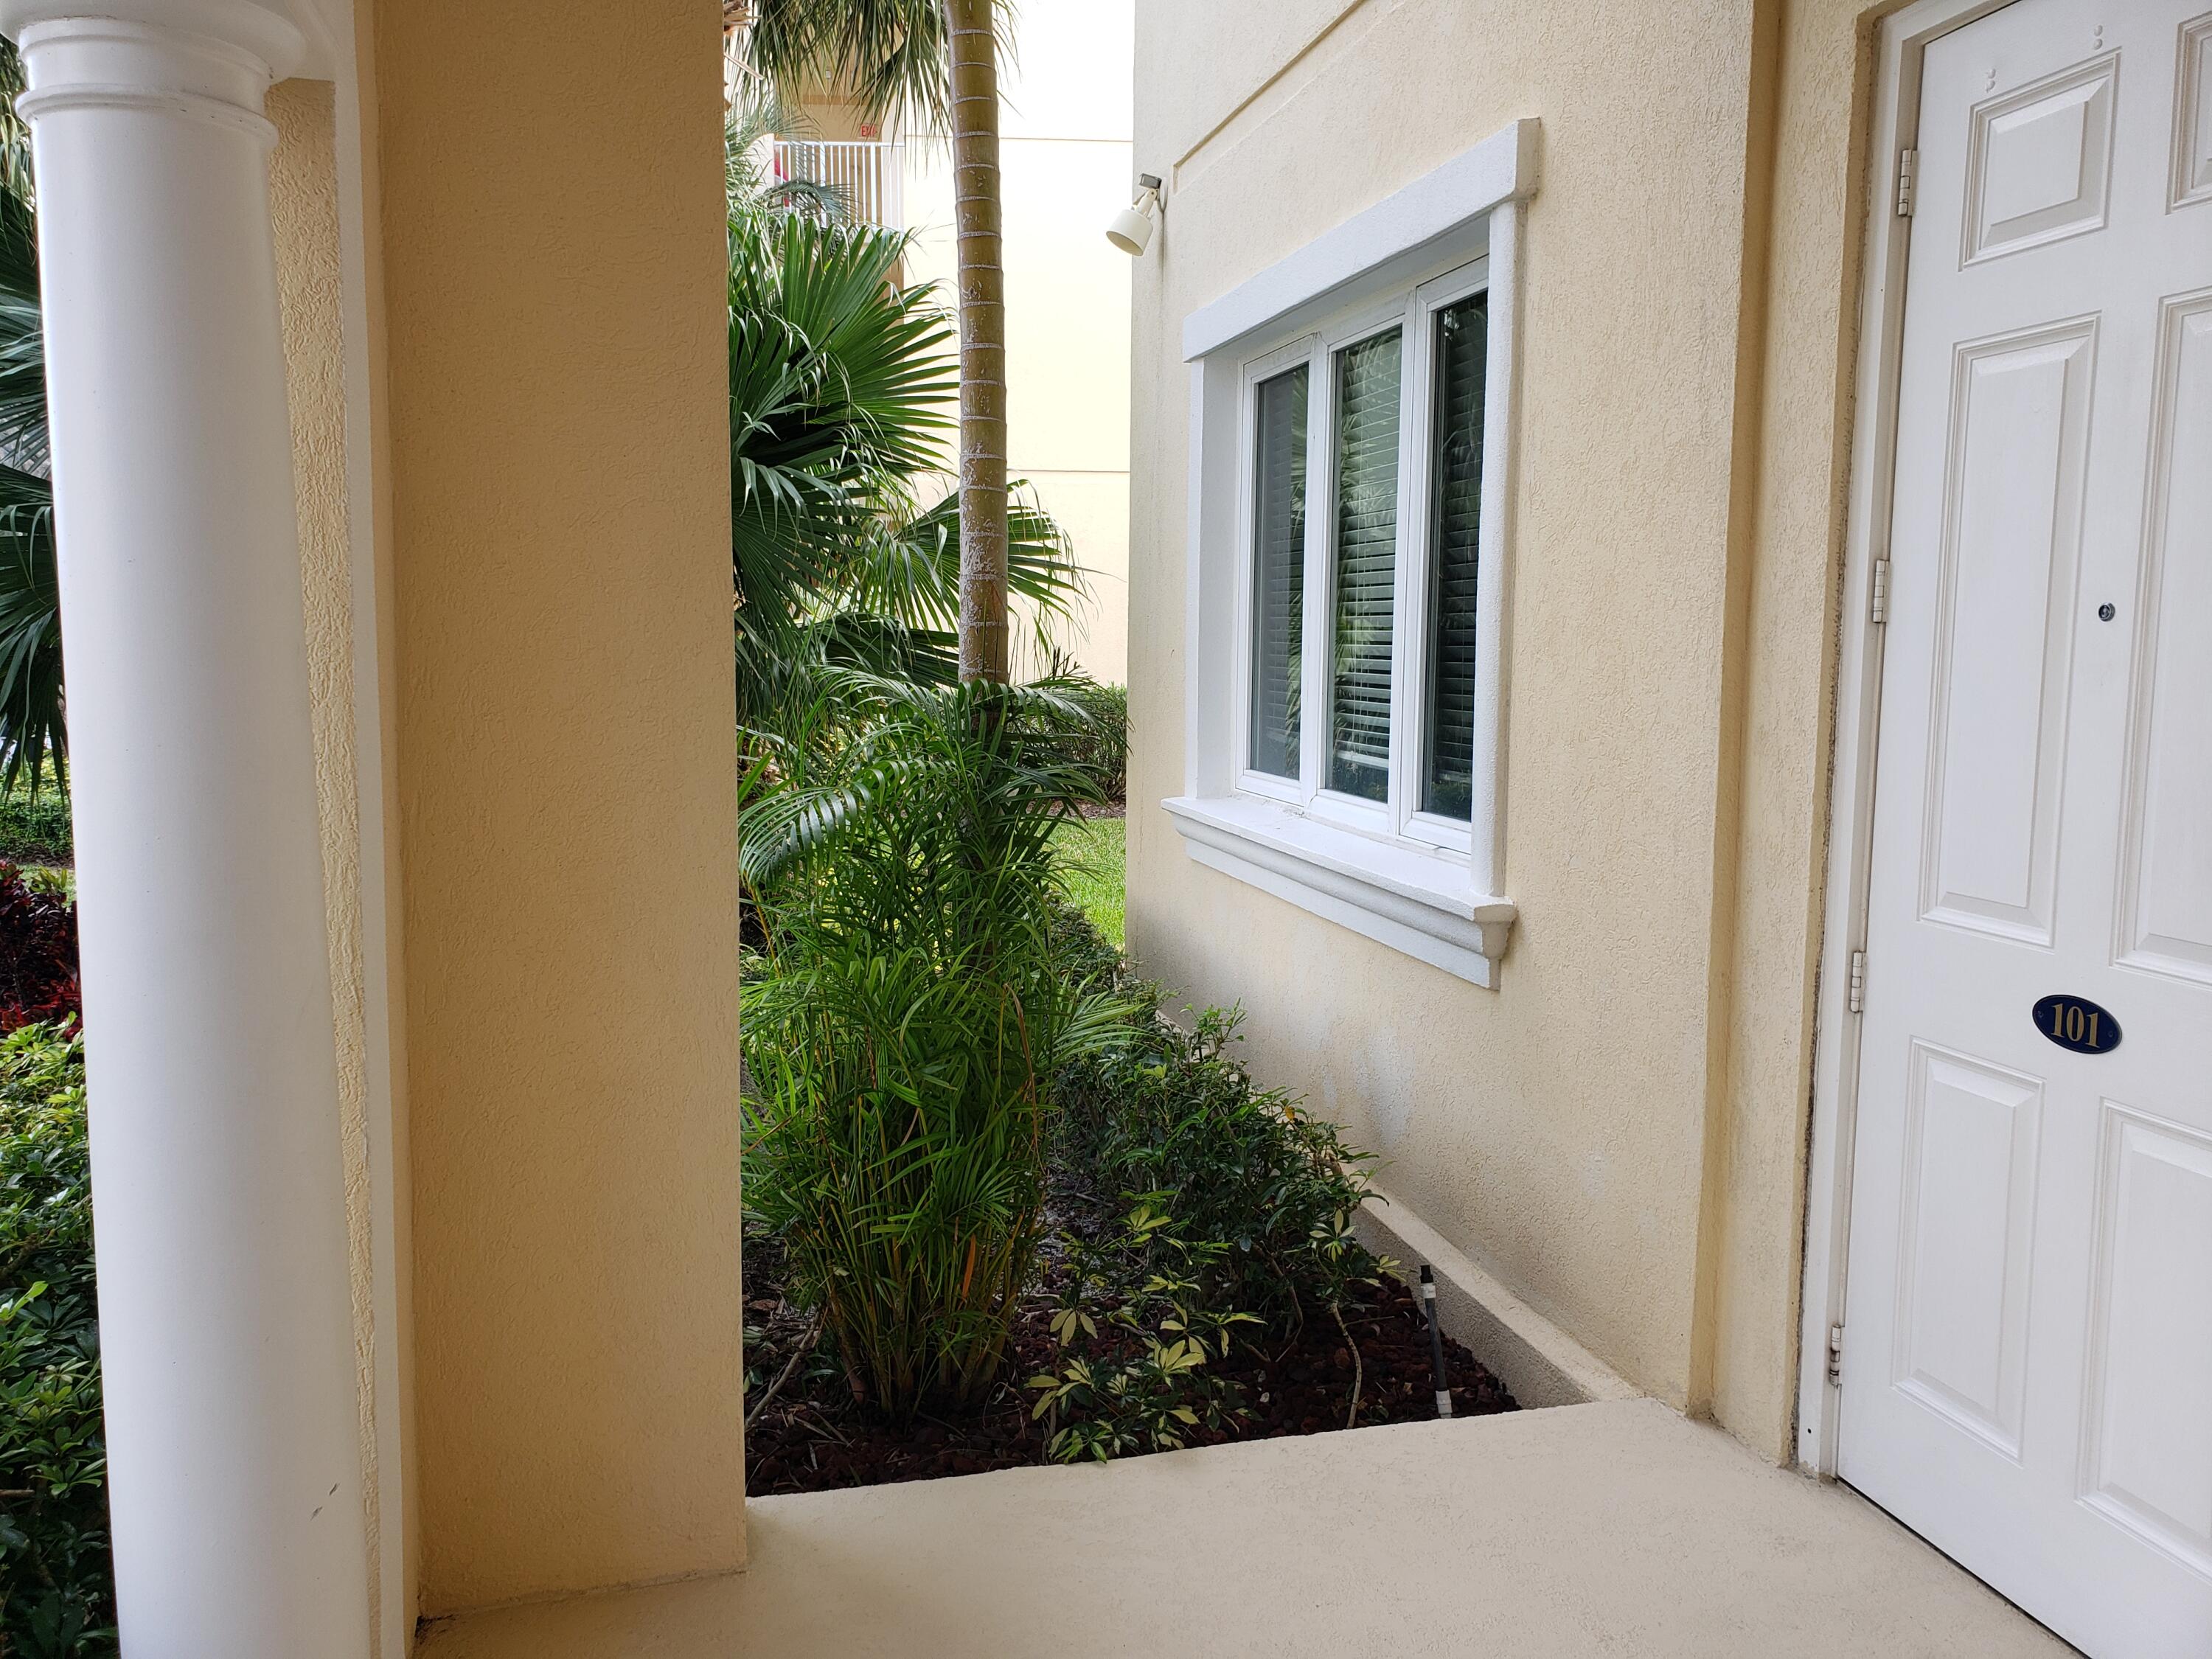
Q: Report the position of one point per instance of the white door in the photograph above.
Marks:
(2028, 1353)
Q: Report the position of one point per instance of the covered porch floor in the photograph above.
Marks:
(1612, 1527)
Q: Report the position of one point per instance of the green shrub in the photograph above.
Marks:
(55, 1595)
(1200, 1211)
(903, 1022)
(1169, 1117)
(1103, 742)
(35, 829)
(1136, 1378)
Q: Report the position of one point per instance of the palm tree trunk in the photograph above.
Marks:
(980, 278)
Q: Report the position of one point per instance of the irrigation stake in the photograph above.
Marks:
(1435, 1340)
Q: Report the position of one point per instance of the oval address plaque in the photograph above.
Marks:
(2077, 1023)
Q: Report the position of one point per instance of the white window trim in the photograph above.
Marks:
(1429, 886)
(1344, 331)
(1302, 352)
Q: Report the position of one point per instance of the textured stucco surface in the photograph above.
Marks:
(553, 269)
(1617, 1132)
(1615, 1528)
(1806, 362)
(304, 212)
(1552, 1128)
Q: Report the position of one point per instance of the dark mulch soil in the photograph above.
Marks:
(814, 1435)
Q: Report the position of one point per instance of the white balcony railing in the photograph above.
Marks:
(866, 173)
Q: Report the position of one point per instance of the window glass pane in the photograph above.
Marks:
(1366, 565)
(1455, 514)
(1278, 585)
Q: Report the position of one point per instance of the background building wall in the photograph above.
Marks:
(1617, 1130)
(553, 261)
(1065, 169)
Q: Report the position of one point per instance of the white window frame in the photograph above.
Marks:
(1411, 668)
(1300, 352)
(1345, 331)
(1428, 885)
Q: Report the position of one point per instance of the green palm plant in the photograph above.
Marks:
(904, 1023)
(838, 382)
(757, 117)
(934, 63)
(33, 738)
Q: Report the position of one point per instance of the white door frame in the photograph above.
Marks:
(1895, 126)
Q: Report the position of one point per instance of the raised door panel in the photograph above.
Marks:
(1972, 1132)
(2011, 516)
(2146, 1461)
(2192, 114)
(2165, 910)
(2040, 161)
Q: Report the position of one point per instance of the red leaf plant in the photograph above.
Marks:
(38, 954)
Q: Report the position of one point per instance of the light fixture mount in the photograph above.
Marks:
(1131, 229)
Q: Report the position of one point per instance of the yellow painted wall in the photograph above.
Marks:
(1617, 1130)
(552, 261)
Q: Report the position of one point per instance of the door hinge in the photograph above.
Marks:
(1858, 983)
(1879, 613)
(1908, 170)
(1836, 1356)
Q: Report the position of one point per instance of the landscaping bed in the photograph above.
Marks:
(812, 1435)
(1007, 1202)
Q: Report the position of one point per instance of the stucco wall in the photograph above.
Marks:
(1807, 361)
(304, 211)
(1617, 1131)
(553, 266)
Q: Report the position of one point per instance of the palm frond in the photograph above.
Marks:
(22, 340)
(14, 131)
(33, 738)
(32, 735)
(911, 1012)
(910, 570)
(754, 188)
(839, 381)
(889, 54)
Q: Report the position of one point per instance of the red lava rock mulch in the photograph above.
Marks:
(813, 1436)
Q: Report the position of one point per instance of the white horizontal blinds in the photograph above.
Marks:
(1455, 514)
(1366, 570)
(1278, 585)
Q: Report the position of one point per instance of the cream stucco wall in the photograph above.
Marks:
(1617, 1130)
(325, 321)
(303, 201)
(1793, 523)
(539, 643)
(552, 266)
(1065, 170)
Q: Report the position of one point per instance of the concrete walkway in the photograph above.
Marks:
(1614, 1528)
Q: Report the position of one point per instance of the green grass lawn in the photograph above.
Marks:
(1091, 852)
(35, 832)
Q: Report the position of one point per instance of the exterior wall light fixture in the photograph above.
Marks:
(1131, 229)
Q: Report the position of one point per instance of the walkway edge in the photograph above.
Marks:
(1539, 1363)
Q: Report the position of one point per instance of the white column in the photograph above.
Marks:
(232, 1422)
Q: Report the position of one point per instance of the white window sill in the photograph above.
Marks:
(1407, 897)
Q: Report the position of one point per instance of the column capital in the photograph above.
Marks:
(267, 31)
